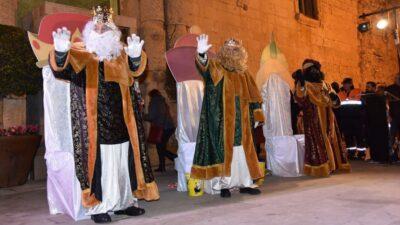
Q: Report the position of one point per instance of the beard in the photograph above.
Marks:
(106, 46)
(233, 59)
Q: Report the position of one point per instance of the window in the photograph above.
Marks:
(309, 8)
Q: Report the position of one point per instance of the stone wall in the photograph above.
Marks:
(378, 56)
(332, 39)
(8, 9)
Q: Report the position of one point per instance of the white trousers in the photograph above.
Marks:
(115, 182)
(240, 175)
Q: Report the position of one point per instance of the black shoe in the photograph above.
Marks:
(225, 193)
(250, 191)
(131, 211)
(101, 218)
(171, 156)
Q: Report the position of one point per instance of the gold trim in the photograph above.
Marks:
(206, 172)
(317, 171)
(150, 193)
(130, 122)
(53, 64)
(345, 167)
(201, 167)
(88, 199)
(258, 115)
(142, 67)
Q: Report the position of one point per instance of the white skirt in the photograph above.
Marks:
(115, 181)
(240, 175)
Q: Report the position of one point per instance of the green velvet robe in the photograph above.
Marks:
(231, 101)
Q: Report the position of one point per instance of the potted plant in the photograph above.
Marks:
(19, 74)
(19, 77)
(18, 146)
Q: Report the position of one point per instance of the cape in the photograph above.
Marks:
(86, 130)
(230, 106)
(324, 148)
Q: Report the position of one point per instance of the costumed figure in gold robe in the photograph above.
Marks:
(324, 149)
(225, 154)
(111, 160)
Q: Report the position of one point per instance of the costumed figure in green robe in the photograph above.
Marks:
(225, 154)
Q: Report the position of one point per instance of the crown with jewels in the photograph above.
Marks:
(232, 42)
(102, 15)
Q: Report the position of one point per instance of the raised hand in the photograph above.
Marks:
(202, 44)
(135, 46)
(61, 39)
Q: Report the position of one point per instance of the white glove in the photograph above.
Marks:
(135, 46)
(202, 44)
(61, 39)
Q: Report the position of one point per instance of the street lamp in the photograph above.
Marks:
(382, 24)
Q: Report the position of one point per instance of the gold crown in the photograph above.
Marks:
(232, 42)
(103, 14)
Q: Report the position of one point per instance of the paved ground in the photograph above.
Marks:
(369, 195)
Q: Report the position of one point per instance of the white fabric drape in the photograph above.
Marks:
(115, 181)
(285, 157)
(240, 175)
(276, 106)
(63, 188)
(189, 100)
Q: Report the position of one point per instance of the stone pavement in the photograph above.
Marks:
(370, 195)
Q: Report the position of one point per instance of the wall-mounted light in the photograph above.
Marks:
(364, 27)
(382, 24)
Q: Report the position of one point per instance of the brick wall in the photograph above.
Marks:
(7, 12)
(378, 56)
(332, 39)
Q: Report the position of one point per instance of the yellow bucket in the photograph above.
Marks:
(261, 180)
(195, 186)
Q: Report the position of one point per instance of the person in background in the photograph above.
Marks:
(349, 92)
(377, 128)
(352, 119)
(370, 87)
(158, 115)
(393, 93)
(335, 86)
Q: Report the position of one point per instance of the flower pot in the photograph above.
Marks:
(16, 158)
(14, 111)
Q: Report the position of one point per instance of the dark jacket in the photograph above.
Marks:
(394, 105)
(159, 113)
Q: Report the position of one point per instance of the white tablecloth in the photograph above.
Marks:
(285, 155)
(189, 101)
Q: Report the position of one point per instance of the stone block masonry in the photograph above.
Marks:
(8, 9)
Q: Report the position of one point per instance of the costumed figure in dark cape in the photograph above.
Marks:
(324, 149)
(111, 161)
(225, 152)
